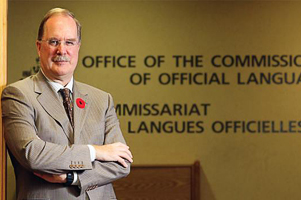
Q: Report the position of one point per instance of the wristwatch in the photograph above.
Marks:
(70, 178)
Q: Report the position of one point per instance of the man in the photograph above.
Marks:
(62, 147)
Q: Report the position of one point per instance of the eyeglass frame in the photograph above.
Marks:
(59, 42)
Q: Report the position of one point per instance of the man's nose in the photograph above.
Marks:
(61, 48)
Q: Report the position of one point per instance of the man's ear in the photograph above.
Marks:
(38, 46)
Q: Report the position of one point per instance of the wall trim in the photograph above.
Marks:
(3, 81)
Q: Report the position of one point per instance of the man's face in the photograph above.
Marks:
(59, 61)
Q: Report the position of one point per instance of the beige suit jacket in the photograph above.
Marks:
(40, 138)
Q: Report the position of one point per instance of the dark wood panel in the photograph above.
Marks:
(159, 182)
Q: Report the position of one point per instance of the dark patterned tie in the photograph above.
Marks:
(67, 104)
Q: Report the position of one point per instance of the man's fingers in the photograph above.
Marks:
(125, 156)
(52, 178)
(126, 148)
(129, 153)
(123, 148)
(114, 152)
(122, 162)
(38, 174)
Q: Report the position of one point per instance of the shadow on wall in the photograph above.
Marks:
(10, 181)
(206, 192)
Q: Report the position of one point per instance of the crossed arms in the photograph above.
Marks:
(23, 122)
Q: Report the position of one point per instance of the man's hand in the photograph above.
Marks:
(114, 152)
(52, 178)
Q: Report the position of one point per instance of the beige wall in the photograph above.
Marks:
(234, 165)
(3, 61)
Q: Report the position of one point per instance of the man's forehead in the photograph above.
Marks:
(60, 24)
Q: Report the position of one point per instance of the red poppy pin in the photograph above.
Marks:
(80, 103)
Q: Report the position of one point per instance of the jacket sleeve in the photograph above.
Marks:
(105, 172)
(23, 142)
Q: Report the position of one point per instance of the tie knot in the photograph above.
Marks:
(65, 92)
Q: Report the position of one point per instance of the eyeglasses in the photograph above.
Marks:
(55, 42)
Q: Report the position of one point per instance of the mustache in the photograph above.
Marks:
(59, 58)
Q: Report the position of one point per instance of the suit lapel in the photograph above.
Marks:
(50, 101)
(80, 111)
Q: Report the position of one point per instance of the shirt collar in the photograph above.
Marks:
(57, 86)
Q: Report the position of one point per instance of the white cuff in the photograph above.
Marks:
(75, 180)
(92, 153)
